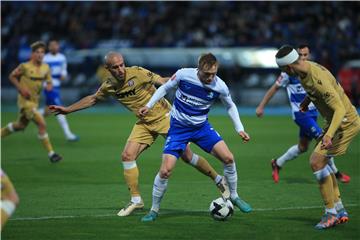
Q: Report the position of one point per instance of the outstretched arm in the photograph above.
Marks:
(85, 102)
(269, 94)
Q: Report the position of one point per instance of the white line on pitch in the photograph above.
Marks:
(165, 213)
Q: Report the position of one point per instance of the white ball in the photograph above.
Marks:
(221, 209)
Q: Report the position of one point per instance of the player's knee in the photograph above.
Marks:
(316, 165)
(228, 158)
(165, 173)
(302, 148)
(19, 126)
(186, 157)
(127, 156)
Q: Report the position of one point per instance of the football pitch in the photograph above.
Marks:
(79, 197)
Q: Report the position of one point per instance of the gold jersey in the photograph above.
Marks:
(134, 92)
(328, 95)
(32, 78)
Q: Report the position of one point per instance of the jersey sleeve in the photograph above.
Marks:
(164, 89)
(333, 101)
(282, 80)
(226, 99)
(64, 72)
(104, 90)
(148, 76)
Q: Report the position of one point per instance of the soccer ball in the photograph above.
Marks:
(221, 209)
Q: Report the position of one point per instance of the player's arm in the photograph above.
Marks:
(268, 95)
(333, 101)
(14, 79)
(234, 115)
(49, 85)
(160, 81)
(304, 105)
(159, 93)
(64, 72)
(83, 103)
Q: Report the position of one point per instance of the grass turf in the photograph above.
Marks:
(79, 197)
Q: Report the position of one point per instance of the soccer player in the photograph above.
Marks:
(342, 125)
(9, 198)
(133, 87)
(58, 66)
(28, 78)
(196, 90)
(307, 121)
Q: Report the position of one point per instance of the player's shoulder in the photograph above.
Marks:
(184, 73)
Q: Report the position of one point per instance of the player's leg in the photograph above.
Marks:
(9, 199)
(53, 98)
(131, 174)
(160, 185)
(12, 127)
(321, 171)
(44, 137)
(341, 176)
(222, 152)
(203, 166)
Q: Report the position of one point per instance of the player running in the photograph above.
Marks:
(28, 79)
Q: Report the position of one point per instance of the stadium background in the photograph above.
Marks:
(164, 36)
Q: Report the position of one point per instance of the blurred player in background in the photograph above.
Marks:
(342, 125)
(196, 90)
(28, 79)
(9, 198)
(307, 121)
(58, 66)
(133, 87)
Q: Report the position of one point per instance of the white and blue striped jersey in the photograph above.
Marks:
(193, 99)
(58, 66)
(296, 95)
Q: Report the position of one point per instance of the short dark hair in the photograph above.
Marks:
(304, 45)
(207, 59)
(36, 45)
(284, 50)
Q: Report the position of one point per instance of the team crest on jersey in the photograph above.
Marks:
(210, 95)
(131, 83)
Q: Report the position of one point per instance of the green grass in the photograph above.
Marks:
(79, 197)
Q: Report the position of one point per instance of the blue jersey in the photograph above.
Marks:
(58, 66)
(296, 95)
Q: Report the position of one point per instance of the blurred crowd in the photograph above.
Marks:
(331, 29)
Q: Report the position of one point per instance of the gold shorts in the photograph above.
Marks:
(341, 139)
(28, 110)
(6, 186)
(148, 132)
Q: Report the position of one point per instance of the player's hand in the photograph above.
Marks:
(58, 110)
(326, 142)
(244, 136)
(25, 93)
(143, 111)
(259, 111)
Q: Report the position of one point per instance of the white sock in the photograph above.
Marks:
(331, 210)
(290, 154)
(218, 179)
(65, 126)
(231, 177)
(339, 205)
(159, 189)
(331, 163)
(136, 199)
